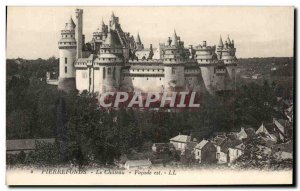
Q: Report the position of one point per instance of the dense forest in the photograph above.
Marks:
(35, 109)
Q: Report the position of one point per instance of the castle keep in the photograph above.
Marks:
(116, 61)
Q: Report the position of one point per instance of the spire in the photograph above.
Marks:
(103, 22)
(228, 39)
(138, 39)
(174, 39)
(221, 42)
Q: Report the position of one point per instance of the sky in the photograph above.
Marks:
(33, 32)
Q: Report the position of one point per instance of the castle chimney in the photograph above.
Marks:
(204, 43)
(169, 41)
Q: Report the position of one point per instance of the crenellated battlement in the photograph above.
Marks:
(115, 60)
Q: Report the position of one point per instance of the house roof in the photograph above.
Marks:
(242, 134)
(201, 144)
(135, 163)
(262, 129)
(282, 155)
(25, 144)
(287, 147)
(230, 143)
(240, 146)
(181, 138)
(219, 140)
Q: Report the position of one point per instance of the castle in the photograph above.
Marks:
(116, 61)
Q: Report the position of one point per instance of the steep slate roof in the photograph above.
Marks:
(181, 138)
(92, 57)
(219, 140)
(242, 134)
(240, 146)
(262, 129)
(112, 39)
(201, 144)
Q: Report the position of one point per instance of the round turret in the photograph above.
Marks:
(67, 56)
(110, 62)
(173, 60)
(227, 55)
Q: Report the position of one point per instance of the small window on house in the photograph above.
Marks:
(66, 69)
(66, 60)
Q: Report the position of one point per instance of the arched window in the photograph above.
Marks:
(114, 73)
(104, 73)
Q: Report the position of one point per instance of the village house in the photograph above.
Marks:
(219, 141)
(16, 146)
(283, 151)
(205, 152)
(267, 138)
(162, 147)
(133, 164)
(242, 134)
(180, 142)
(235, 152)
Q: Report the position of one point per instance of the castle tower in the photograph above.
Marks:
(173, 61)
(111, 61)
(227, 54)
(67, 56)
(78, 32)
(207, 60)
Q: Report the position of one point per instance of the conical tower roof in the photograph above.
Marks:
(138, 39)
(70, 25)
(112, 39)
(228, 40)
(221, 42)
(174, 39)
(101, 27)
